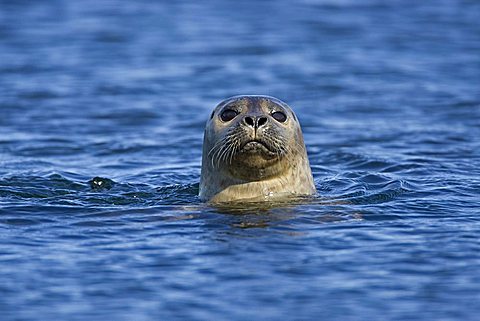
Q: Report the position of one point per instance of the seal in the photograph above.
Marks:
(253, 150)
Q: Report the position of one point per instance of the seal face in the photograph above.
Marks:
(253, 149)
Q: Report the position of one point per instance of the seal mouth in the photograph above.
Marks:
(255, 146)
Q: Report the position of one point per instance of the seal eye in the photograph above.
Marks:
(228, 115)
(279, 116)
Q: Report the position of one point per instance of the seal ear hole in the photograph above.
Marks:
(228, 114)
(279, 116)
(213, 113)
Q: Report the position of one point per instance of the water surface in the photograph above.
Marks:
(388, 96)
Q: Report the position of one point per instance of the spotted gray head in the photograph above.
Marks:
(252, 137)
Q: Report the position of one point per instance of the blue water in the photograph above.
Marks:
(388, 93)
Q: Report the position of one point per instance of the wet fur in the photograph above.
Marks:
(229, 173)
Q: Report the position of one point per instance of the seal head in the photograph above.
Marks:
(253, 150)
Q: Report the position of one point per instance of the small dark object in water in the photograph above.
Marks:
(99, 183)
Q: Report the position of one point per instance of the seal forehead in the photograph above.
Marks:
(253, 102)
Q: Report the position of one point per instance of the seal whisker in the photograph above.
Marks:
(225, 151)
(217, 156)
(213, 152)
(221, 153)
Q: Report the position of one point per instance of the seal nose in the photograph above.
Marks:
(255, 122)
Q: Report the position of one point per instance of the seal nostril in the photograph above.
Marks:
(249, 121)
(261, 121)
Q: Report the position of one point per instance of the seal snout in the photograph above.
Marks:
(255, 121)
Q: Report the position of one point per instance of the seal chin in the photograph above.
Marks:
(253, 161)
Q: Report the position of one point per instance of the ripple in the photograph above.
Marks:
(18, 221)
(99, 94)
(57, 189)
